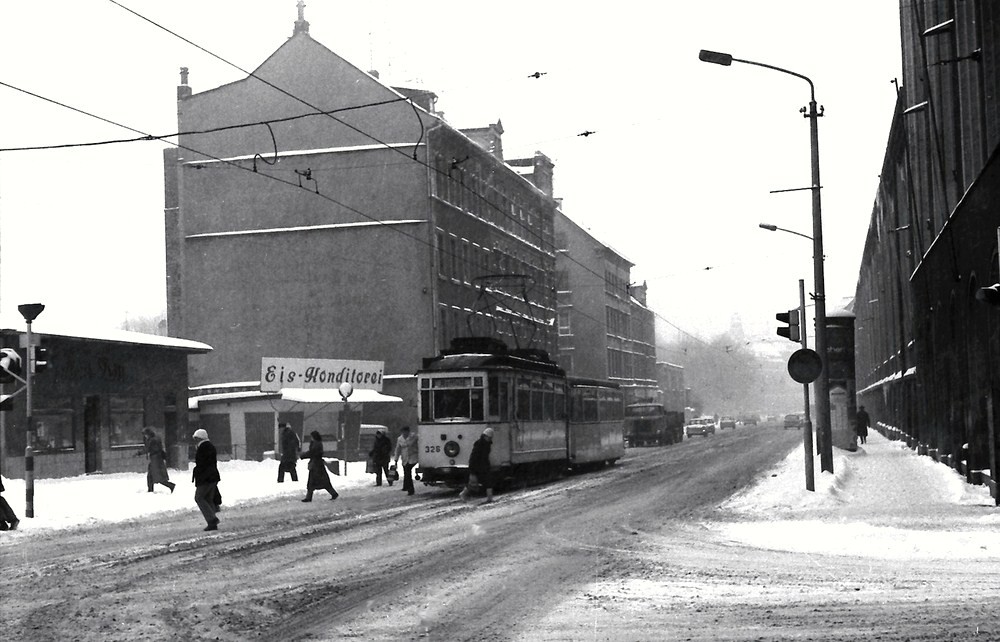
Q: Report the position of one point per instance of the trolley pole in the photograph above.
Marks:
(807, 434)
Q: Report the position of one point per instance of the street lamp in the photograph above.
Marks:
(775, 228)
(823, 429)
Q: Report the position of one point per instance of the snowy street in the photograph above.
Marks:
(715, 538)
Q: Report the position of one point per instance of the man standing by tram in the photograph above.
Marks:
(407, 450)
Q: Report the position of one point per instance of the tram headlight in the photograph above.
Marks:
(451, 449)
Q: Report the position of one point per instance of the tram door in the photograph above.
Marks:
(92, 434)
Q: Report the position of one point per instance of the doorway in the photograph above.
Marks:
(92, 434)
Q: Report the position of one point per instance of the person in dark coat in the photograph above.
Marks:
(156, 469)
(290, 447)
(318, 477)
(381, 454)
(861, 427)
(480, 473)
(8, 519)
(206, 478)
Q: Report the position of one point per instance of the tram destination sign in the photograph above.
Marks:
(277, 373)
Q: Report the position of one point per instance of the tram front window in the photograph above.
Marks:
(452, 399)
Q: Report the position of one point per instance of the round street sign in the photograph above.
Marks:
(805, 365)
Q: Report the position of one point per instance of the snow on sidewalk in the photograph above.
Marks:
(882, 501)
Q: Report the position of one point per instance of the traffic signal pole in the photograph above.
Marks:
(807, 432)
(29, 447)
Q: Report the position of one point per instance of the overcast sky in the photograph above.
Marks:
(676, 176)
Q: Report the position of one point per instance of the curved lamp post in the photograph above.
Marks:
(823, 429)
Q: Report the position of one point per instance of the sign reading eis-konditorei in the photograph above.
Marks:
(277, 373)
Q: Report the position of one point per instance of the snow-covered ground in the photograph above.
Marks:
(882, 501)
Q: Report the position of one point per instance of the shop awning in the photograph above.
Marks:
(332, 395)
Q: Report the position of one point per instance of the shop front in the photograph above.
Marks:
(92, 402)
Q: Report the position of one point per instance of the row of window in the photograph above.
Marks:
(500, 204)
(464, 260)
(471, 398)
(59, 429)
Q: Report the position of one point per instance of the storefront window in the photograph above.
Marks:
(54, 426)
(127, 421)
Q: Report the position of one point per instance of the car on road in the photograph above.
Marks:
(727, 422)
(793, 421)
(701, 426)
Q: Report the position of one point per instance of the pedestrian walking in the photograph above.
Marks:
(206, 478)
(381, 454)
(156, 457)
(318, 477)
(290, 447)
(480, 472)
(8, 519)
(861, 425)
(407, 450)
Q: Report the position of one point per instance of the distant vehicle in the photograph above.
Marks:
(793, 421)
(649, 424)
(701, 426)
(727, 422)
(748, 419)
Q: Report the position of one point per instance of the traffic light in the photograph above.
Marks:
(39, 359)
(791, 318)
(10, 365)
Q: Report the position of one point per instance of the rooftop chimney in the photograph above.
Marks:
(183, 91)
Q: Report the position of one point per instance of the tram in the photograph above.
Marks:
(544, 423)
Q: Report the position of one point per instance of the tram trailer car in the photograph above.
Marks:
(543, 423)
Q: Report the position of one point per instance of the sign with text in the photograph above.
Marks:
(277, 373)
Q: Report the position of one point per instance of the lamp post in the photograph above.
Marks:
(775, 228)
(823, 429)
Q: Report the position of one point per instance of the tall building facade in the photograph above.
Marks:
(927, 339)
(314, 211)
(605, 329)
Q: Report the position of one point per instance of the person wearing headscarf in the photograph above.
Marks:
(206, 478)
(318, 477)
(156, 470)
(480, 473)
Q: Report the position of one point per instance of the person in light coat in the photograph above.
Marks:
(407, 450)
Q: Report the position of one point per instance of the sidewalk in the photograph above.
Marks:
(899, 504)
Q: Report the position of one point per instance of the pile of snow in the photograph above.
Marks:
(882, 501)
(118, 497)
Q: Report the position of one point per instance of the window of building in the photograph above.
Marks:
(54, 425)
(127, 421)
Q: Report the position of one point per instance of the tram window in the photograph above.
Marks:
(549, 399)
(523, 400)
(451, 398)
(559, 397)
(537, 403)
(498, 401)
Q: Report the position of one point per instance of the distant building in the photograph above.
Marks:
(91, 404)
(373, 231)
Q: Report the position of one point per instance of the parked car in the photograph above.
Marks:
(793, 421)
(727, 422)
(700, 426)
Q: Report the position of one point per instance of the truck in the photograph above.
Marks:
(650, 424)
